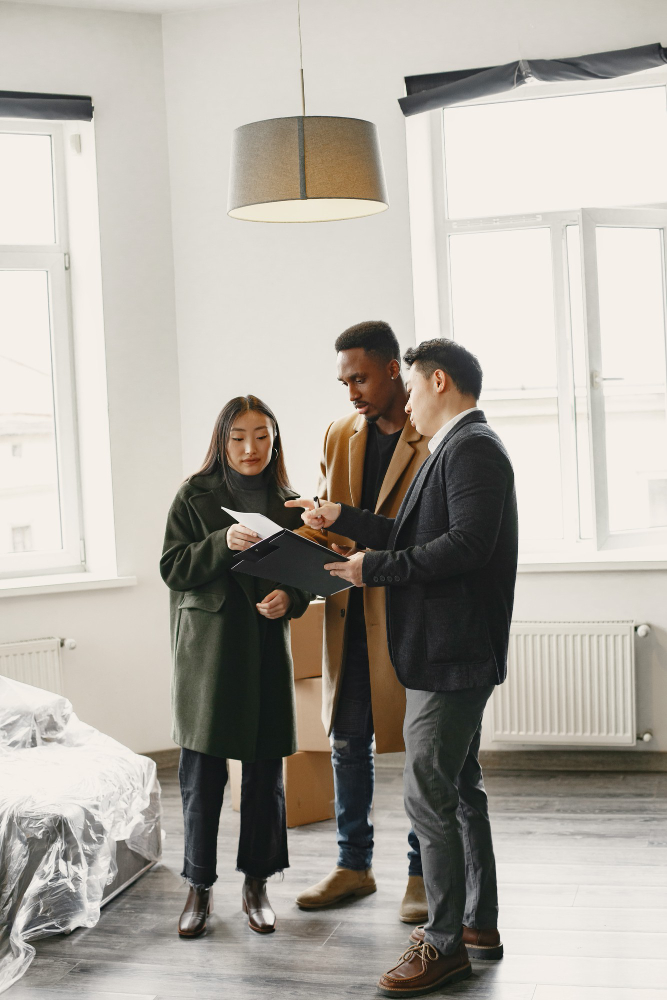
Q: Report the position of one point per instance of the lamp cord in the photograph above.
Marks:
(303, 89)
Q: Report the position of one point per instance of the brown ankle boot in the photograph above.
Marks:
(197, 907)
(261, 917)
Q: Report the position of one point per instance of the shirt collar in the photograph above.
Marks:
(446, 428)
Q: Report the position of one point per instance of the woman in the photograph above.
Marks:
(233, 692)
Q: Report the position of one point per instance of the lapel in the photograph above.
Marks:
(357, 452)
(413, 493)
(477, 417)
(400, 460)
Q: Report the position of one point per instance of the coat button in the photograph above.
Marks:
(375, 579)
(382, 579)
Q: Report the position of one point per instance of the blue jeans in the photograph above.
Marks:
(353, 766)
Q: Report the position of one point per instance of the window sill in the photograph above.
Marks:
(62, 583)
(617, 560)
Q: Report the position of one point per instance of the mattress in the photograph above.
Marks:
(79, 820)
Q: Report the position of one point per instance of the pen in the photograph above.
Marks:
(316, 501)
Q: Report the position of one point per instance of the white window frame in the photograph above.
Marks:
(430, 232)
(53, 258)
(590, 220)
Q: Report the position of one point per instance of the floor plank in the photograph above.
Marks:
(582, 862)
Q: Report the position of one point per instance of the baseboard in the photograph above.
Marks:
(164, 758)
(515, 760)
(572, 760)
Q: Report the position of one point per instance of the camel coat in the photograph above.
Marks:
(342, 470)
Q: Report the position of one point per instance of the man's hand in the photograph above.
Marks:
(239, 537)
(350, 570)
(275, 605)
(316, 517)
(344, 550)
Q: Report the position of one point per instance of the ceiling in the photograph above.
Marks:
(143, 6)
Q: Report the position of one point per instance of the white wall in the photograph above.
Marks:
(258, 306)
(118, 677)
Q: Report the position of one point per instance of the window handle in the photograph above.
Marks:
(597, 378)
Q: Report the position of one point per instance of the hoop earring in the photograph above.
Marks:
(274, 453)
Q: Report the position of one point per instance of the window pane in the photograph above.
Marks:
(29, 500)
(503, 311)
(26, 189)
(580, 375)
(632, 330)
(557, 153)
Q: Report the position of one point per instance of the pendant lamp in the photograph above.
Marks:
(306, 168)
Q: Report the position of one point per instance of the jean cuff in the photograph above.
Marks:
(199, 885)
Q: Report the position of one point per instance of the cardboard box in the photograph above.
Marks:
(309, 788)
(307, 639)
(310, 732)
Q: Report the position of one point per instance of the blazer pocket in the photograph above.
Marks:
(454, 631)
(204, 602)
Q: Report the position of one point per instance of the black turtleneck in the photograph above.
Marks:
(251, 493)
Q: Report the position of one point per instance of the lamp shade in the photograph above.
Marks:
(306, 169)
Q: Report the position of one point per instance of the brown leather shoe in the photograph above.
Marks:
(484, 944)
(261, 917)
(422, 969)
(197, 907)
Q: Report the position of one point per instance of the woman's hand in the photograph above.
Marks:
(239, 537)
(275, 605)
(316, 517)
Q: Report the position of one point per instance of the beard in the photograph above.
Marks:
(372, 419)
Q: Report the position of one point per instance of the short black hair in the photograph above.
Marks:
(460, 364)
(373, 336)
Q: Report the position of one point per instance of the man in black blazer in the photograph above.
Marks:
(448, 562)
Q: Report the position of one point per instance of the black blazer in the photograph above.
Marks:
(448, 560)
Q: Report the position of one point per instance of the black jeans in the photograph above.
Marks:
(262, 847)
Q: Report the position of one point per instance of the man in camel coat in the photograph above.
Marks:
(370, 458)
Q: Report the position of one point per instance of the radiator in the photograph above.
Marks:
(34, 661)
(568, 683)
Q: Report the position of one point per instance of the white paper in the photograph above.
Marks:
(264, 526)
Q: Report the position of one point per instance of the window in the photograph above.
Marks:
(22, 538)
(564, 304)
(39, 506)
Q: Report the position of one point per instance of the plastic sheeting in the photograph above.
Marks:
(68, 794)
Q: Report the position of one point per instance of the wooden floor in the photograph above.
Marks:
(582, 864)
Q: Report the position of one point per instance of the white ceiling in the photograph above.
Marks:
(143, 6)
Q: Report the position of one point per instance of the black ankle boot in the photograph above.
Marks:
(197, 907)
(261, 917)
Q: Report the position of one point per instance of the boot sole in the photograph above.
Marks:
(487, 952)
(254, 927)
(356, 893)
(452, 977)
(413, 920)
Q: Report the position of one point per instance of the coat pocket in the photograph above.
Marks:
(454, 631)
(202, 601)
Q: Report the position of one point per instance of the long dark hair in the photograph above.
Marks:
(216, 456)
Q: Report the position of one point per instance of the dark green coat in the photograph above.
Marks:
(233, 686)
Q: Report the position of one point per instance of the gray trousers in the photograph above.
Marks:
(446, 802)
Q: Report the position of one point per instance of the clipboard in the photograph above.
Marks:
(293, 560)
